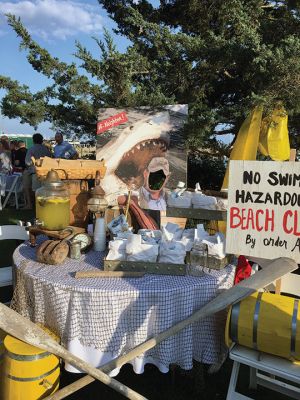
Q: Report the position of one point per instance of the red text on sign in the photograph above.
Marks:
(247, 218)
(110, 122)
(290, 222)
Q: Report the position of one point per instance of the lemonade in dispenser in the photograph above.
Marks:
(53, 203)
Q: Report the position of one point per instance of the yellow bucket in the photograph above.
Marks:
(29, 373)
(266, 322)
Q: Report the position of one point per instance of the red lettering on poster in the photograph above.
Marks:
(286, 215)
(248, 218)
(110, 122)
(292, 225)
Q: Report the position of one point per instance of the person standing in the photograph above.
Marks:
(5, 160)
(13, 145)
(30, 181)
(20, 155)
(63, 149)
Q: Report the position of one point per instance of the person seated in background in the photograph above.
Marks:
(20, 155)
(5, 160)
(30, 181)
(63, 149)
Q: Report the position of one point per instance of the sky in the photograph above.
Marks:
(55, 25)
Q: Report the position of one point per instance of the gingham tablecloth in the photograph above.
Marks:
(114, 315)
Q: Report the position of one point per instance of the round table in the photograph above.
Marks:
(99, 318)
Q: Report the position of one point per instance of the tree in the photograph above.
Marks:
(71, 103)
(220, 57)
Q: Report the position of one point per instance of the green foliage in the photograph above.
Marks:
(71, 103)
(207, 170)
(220, 57)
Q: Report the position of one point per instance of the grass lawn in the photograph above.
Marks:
(175, 385)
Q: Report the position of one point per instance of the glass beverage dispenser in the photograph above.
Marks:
(53, 203)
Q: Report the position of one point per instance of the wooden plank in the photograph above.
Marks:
(260, 279)
(23, 329)
(79, 196)
(263, 211)
(146, 267)
(197, 213)
(278, 282)
(215, 193)
(108, 274)
(174, 220)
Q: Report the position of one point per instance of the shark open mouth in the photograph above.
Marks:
(135, 161)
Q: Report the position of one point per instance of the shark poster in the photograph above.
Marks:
(144, 151)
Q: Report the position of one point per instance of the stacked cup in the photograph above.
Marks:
(100, 234)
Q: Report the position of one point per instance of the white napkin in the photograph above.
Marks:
(183, 200)
(140, 251)
(118, 224)
(199, 200)
(150, 236)
(125, 234)
(187, 239)
(200, 233)
(171, 231)
(117, 250)
(216, 245)
(172, 252)
(197, 187)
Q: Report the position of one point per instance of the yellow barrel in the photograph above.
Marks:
(266, 322)
(2, 336)
(29, 373)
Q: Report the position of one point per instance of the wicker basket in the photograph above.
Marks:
(69, 169)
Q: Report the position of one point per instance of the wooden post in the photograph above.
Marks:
(278, 282)
(127, 205)
(293, 154)
(108, 274)
(276, 269)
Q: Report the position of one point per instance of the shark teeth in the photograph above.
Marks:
(154, 144)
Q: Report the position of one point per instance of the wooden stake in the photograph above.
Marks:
(276, 269)
(128, 204)
(293, 154)
(278, 281)
(23, 329)
(108, 274)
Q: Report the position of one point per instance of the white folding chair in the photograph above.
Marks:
(13, 186)
(266, 370)
(10, 232)
(2, 187)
